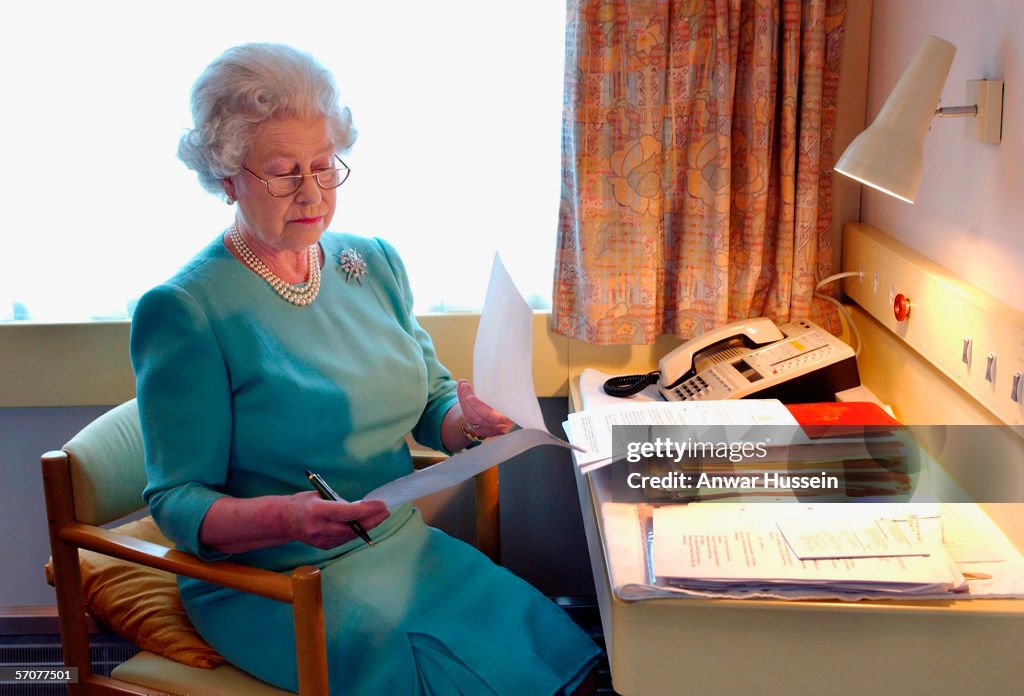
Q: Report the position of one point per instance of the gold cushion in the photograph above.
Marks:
(141, 604)
(174, 678)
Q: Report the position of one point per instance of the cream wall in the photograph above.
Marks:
(970, 208)
(972, 194)
(968, 212)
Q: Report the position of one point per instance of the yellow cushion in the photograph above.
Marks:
(173, 678)
(141, 604)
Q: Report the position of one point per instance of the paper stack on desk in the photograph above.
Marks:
(591, 430)
(856, 450)
(978, 550)
(733, 548)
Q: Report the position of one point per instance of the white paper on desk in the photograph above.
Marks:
(503, 352)
(840, 532)
(624, 539)
(965, 546)
(728, 542)
(982, 549)
(462, 466)
(591, 430)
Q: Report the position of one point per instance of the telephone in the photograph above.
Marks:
(798, 362)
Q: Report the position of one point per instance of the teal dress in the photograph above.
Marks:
(240, 392)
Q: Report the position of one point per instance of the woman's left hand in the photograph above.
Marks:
(480, 419)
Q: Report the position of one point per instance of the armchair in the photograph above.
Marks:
(98, 477)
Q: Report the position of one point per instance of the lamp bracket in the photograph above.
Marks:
(987, 96)
(985, 104)
(957, 111)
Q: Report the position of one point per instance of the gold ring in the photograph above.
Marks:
(470, 435)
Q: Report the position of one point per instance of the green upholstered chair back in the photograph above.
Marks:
(108, 469)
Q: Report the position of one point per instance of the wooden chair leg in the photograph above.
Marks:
(488, 519)
(67, 576)
(310, 636)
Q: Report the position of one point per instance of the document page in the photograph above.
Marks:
(503, 379)
(850, 534)
(735, 543)
(503, 352)
(591, 430)
(461, 466)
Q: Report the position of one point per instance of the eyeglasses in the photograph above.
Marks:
(281, 186)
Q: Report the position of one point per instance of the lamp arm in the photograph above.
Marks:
(957, 111)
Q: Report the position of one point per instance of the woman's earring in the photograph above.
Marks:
(230, 200)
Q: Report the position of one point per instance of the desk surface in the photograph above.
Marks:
(720, 646)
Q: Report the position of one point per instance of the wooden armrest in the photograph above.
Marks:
(302, 588)
(257, 581)
(422, 458)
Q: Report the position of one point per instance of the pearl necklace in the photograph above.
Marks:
(296, 294)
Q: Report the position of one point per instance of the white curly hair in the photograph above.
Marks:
(242, 88)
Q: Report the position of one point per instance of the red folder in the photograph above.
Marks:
(843, 419)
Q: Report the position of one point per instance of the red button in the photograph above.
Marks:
(901, 306)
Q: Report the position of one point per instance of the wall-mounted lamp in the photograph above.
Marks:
(889, 154)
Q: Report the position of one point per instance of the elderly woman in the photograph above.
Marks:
(282, 348)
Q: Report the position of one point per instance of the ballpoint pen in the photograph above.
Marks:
(327, 493)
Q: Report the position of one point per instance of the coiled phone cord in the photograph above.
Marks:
(628, 385)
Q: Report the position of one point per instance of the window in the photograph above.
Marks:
(457, 103)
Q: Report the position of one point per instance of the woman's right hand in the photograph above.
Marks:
(325, 523)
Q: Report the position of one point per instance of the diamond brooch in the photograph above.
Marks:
(352, 264)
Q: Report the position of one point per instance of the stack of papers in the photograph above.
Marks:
(831, 451)
(591, 430)
(798, 550)
(727, 548)
(973, 548)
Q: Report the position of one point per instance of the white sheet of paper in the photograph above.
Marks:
(503, 352)
(461, 466)
(591, 430)
(835, 533)
(966, 545)
(503, 379)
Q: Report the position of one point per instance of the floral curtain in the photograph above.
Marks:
(697, 148)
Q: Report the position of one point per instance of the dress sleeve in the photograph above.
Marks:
(185, 408)
(441, 389)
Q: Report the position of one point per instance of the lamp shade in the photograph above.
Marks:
(889, 154)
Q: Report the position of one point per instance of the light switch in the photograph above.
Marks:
(990, 367)
(966, 357)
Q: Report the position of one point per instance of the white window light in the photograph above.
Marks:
(458, 106)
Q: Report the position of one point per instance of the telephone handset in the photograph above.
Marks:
(714, 346)
(798, 362)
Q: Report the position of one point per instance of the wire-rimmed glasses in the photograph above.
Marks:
(281, 186)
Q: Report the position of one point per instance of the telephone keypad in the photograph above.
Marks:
(699, 388)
